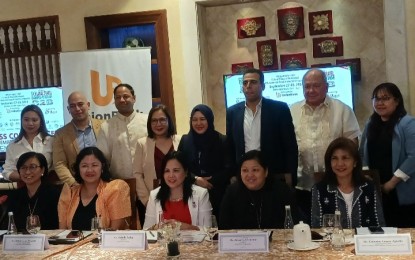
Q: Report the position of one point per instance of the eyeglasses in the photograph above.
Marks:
(161, 121)
(381, 99)
(31, 167)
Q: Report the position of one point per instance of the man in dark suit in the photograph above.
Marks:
(263, 124)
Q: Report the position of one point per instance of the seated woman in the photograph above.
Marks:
(36, 197)
(255, 201)
(345, 188)
(95, 196)
(177, 198)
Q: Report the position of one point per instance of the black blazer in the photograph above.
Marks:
(278, 142)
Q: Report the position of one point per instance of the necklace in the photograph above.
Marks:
(176, 200)
(34, 207)
(258, 212)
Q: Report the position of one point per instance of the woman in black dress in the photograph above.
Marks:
(206, 154)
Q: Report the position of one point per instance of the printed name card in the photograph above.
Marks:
(25, 243)
(383, 244)
(243, 242)
(127, 239)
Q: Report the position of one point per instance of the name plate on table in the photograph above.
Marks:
(128, 239)
(24, 243)
(243, 242)
(383, 244)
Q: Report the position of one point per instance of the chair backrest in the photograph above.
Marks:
(134, 220)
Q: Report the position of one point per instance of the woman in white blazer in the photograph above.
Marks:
(150, 152)
(177, 197)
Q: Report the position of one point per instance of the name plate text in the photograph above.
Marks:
(383, 244)
(243, 242)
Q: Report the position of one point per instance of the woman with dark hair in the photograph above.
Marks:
(256, 201)
(33, 136)
(388, 146)
(36, 197)
(345, 188)
(96, 195)
(205, 151)
(150, 152)
(177, 197)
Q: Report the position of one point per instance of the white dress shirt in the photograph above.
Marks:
(252, 128)
(315, 129)
(118, 140)
(14, 150)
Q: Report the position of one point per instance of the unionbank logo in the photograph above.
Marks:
(97, 96)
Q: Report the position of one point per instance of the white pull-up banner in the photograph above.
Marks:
(97, 72)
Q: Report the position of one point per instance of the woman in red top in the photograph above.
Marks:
(177, 197)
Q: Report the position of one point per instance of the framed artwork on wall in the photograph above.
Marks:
(320, 65)
(241, 67)
(293, 61)
(328, 47)
(250, 27)
(267, 55)
(354, 64)
(320, 22)
(290, 23)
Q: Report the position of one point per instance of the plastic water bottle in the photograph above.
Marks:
(11, 228)
(337, 238)
(288, 225)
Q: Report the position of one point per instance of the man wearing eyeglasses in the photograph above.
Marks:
(263, 124)
(70, 139)
(318, 120)
(119, 135)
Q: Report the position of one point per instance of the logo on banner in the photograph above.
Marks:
(97, 97)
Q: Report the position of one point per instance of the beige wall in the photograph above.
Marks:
(360, 23)
(71, 18)
(353, 19)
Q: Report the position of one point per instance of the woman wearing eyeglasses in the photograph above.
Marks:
(150, 152)
(33, 136)
(388, 146)
(36, 197)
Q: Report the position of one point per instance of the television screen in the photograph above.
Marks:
(13, 101)
(286, 85)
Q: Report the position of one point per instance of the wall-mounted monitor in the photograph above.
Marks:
(49, 99)
(286, 85)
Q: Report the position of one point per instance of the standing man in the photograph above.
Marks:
(263, 124)
(119, 135)
(81, 132)
(318, 120)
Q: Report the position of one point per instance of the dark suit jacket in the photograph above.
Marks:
(278, 142)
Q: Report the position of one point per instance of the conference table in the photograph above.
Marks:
(85, 249)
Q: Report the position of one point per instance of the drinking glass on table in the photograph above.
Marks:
(96, 225)
(33, 224)
(210, 226)
(328, 224)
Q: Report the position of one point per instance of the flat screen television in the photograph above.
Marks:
(286, 85)
(49, 99)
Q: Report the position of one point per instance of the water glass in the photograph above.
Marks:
(210, 226)
(328, 224)
(33, 224)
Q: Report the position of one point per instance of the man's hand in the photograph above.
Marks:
(204, 182)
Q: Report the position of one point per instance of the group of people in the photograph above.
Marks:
(270, 157)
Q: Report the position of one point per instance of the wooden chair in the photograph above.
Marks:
(134, 220)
